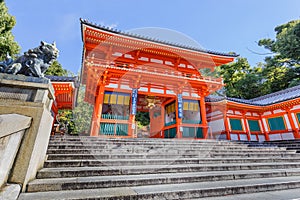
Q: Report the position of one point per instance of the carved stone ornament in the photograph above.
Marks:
(34, 62)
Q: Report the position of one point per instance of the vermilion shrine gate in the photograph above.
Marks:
(126, 73)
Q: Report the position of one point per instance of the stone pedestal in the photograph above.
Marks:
(32, 97)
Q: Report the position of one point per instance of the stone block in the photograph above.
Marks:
(31, 97)
(12, 128)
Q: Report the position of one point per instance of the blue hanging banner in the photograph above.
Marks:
(134, 101)
(180, 108)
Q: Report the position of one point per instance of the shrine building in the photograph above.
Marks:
(125, 73)
(270, 117)
(65, 92)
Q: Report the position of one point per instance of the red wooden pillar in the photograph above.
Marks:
(226, 124)
(246, 126)
(264, 128)
(203, 116)
(95, 126)
(294, 128)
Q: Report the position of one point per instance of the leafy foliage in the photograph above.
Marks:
(56, 69)
(142, 118)
(66, 117)
(278, 72)
(7, 43)
(283, 68)
(82, 113)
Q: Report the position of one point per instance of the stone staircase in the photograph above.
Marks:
(97, 168)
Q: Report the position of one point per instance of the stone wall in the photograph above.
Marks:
(31, 97)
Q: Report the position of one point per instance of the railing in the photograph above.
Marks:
(192, 132)
(170, 123)
(113, 129)
(170, 133)
(190, 121)
(110, 116)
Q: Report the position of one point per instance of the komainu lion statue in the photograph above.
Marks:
(34, 62)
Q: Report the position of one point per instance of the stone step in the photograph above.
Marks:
(159, 161)
(84, 147)
(146, 169)
(53, 184)
(173, 191)
(173, 155)
(161, 150)
(135, 140)
(108, 145)
(289, 194)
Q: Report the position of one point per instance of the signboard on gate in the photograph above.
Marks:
(134, 101)
(180, 108)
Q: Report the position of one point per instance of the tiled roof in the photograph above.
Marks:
(84, 21)
(214, 98)
(269, 99)
(64, 79)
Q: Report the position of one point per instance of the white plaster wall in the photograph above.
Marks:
(238, 113)
(228, 122)
(275, 137)
(287, 121)
(296, 107)
(217, 125)
(265, 124)
(295, 120)
(261, 138)
(267, 113)
(253, 138)
(260, 126)
(243, 137)
(278, 111)
(234, 136)
(230, 111)
(288, 136)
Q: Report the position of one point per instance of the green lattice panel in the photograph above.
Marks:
(236, 124)
(298, 116)
(253, 125)
(276, 124)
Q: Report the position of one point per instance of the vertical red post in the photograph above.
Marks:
(294, 129)
(264, 128)
(95, 126)
(246, 126)
(226, 125)
(203, 116)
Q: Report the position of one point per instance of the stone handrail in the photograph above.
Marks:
(12, 123)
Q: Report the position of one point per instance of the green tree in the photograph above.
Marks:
(82, 113)
(56, 69)
(7, 43)
(142, 118)
(282, 70)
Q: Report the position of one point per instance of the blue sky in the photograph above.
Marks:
(218, 25)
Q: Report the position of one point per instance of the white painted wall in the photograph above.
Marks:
(265, 124)
(295, 120)
(287, 121)
(216, 125)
